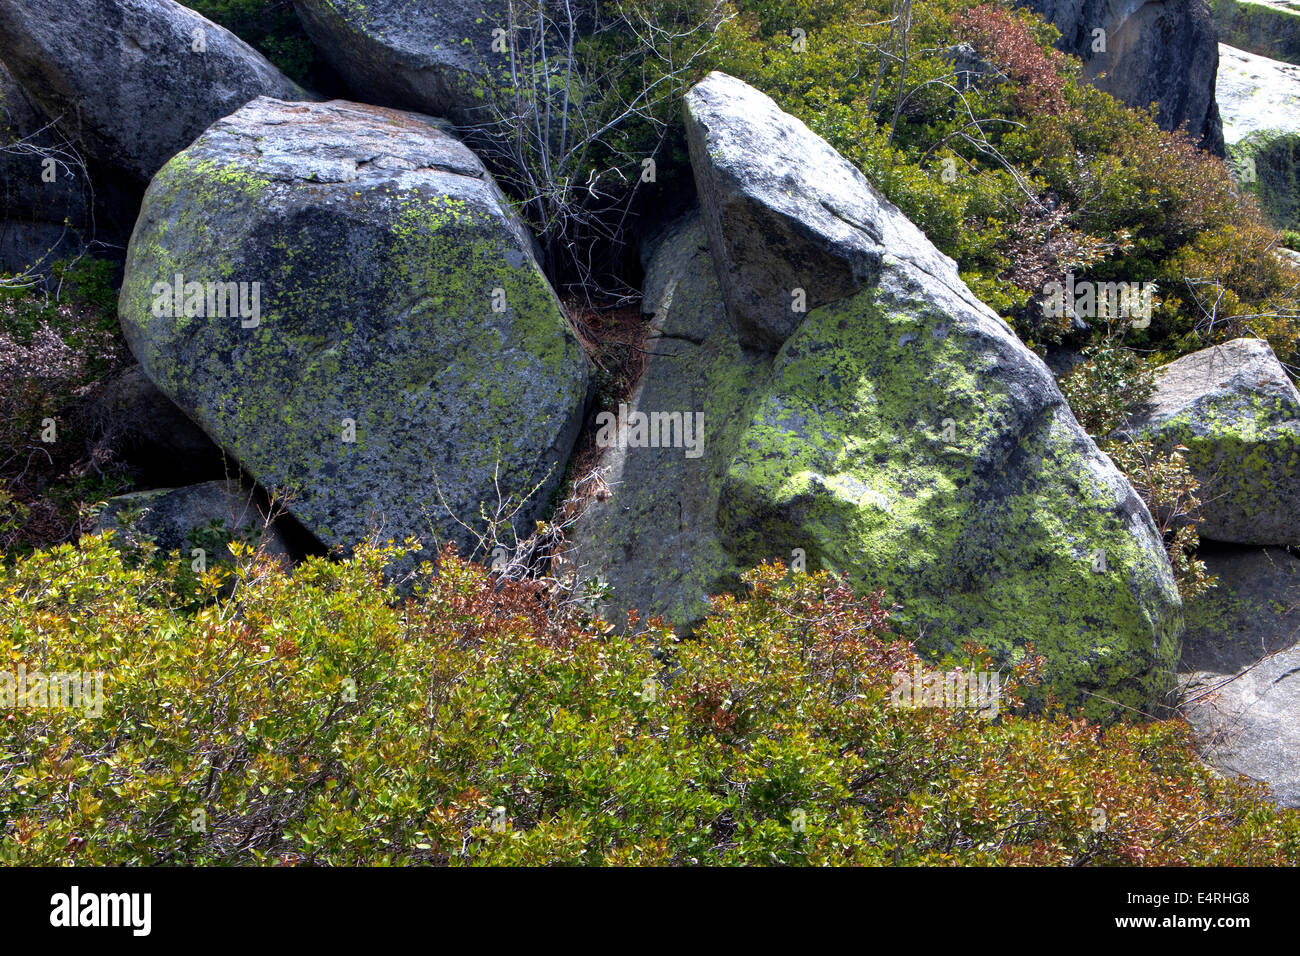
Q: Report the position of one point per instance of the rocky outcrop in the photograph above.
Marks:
(202, 516)
(1154, 52)
(134, 81)
(901, 435)
(1236, 412)
(1240, 668)
(1260, 102)
(342, 298)
(433, 56)
(1268, 28)
(44, 206)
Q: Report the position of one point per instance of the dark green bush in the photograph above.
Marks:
(272, 28)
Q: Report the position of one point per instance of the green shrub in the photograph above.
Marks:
(317, 719)
(272, 28)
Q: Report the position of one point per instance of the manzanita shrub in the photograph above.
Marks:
(316, 718)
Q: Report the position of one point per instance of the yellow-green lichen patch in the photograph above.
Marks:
(902, 447)
(406, 338)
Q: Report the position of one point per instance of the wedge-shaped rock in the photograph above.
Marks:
(655, 538)
(903, 436)
(1235, 410)
(792, 224)
(133, 80)
(342, 298)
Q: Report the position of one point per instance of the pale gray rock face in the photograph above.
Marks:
(126, 78)
(655, 538)
(1155, 52)
(44, 209)
(786, 214)
(1241, 668)
(195, 516)
(1236, 412)
(408, 361)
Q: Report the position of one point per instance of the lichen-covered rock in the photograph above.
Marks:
(44, 206)
(908, 439)
(1260, 102)
(655, 539)
(1240, 667)
(902, 436)
(1236, 412)
(1151, 51)
(401, 347)
(427, 55)
(200, 516)
(915, 444)
(134, 81)
(787, 236)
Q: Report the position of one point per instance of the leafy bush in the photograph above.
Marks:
(1108, 386)
(272, 28)
(1104, 390)
(55, 352)
(317, 719)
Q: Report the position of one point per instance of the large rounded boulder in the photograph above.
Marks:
(343, 299)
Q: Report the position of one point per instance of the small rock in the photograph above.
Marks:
(196, 516)
(1241, 667)
(1236, 412)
